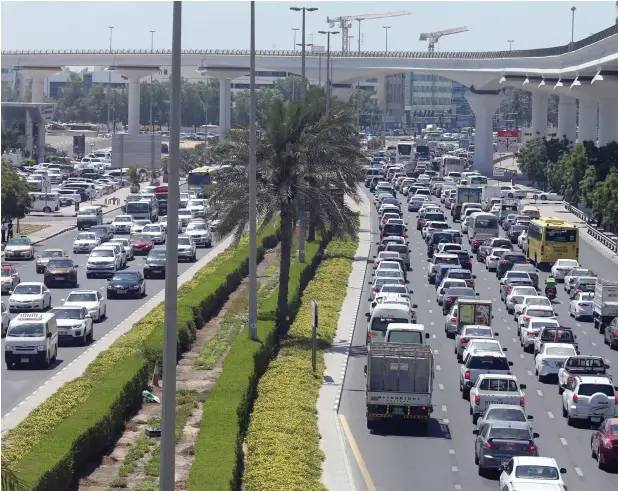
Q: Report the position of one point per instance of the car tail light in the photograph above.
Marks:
(522, 401)
(448, 299)
(607, 443)
(570, 379)
(471, 282)
(616, 400)
(526, 317)
(542, 249)
(377, 261)
(488, 445)
(463, 341)
(423, 408)
(403, 233)
(412, 312)
(581, 304)
(503, 262)
(373, 289)
(575, 398)
(453, 319)
(477, 400)
(531, 333)
(532, 448)
(467, 375)
(401, 282)
(509, 288)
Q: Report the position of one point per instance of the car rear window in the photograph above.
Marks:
(393, 229)
(381, 323)
(488, 362)
(397, 248)
(438, 217)
(509, 434)
(591, 389)
(447, 260)
(460, 292)
(460, 275)
(501, 414)
(514, 258)
(477, 331)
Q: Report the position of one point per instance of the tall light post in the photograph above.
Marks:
(168, 412)
(573, 9)
(151, 96)
(386, 28)
(510, 41)
(252, 189)
(295, 29)
(110, 107)
(303, 82)
(328, 72)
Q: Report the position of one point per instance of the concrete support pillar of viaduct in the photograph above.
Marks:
(608, 121)
(29, 127)
(587, 124)
(38, 90)
(225, 107)
(134, 74)
(567, 118)
(484, 105)
(540, 102)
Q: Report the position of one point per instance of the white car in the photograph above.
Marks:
(468, 333)
(535, 311)
(522, 240)
(561, 267)
(74, 324)
(155, 230)
(199, 231)
(121, 255)
(184, 215)
(530, 330)
(464, 225)
(445, 285)
(103, 261)
(187, 249)
(581, 305)
(551, 359)
(482, 344)
(19, 248)
(85, 242)
(92, 300)
(530, 300)
(512, 192)
(126, 245)
(197, 207)
(517, 295)
(10, 278)
(590, 398)
(138, 226)
(495, 209)
(30, 296)
(531, 471)
(547, 196)
(385, 256)
(491, 260)
(572, 275)
(122, 224)
(163, 223)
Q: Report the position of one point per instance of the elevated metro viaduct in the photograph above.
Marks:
(586, 70)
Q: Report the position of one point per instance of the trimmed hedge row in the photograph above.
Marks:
(218, 450)
(83, 417)
(283, 440)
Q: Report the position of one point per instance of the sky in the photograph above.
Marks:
(225, 25)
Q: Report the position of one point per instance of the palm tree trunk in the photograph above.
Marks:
(284, 267)
(311, 231)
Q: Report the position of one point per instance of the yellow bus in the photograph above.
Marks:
(200, 179)
(550, 239)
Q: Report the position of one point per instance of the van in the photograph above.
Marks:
(483, 223)
(384, 315)
(32, 339)
(531, 211)
(406, 333)
(89, 216)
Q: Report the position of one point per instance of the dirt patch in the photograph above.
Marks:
(30, 228)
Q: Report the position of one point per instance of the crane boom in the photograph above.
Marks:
(345, 24)
(434, 37)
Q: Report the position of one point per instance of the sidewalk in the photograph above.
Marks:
(336, 474)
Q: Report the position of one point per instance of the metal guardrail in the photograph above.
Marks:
(603, 238)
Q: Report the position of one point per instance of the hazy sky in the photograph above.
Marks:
(211, 25)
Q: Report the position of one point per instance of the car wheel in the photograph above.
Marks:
(476, 459)
(84, 338)
(47, 362)
(104, 312)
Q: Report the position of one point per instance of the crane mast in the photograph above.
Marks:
(433, 37)
(344, 23)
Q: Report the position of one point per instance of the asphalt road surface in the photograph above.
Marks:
(443, 458)
(19, 383)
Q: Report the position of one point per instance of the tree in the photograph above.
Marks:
(533, 160)
(16, 201)
(13, 137)
(300, 154)
(573, 169)
(11, 481)
(605, 199)
(9, 94)
(587, 185)
(517, 106)
(369, 109)
(264, 98)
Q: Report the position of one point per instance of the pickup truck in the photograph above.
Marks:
(580, 365)
(495, 389)
(552, 334)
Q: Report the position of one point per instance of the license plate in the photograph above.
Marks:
(398, 410)
(121, 292)
(25, 360)
(595, 419)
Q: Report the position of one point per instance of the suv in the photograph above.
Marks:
(478, 363)
(103, 261)
(590, 398)
(507, 261)
(432, 271)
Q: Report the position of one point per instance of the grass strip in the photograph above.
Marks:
(58, 437)
(283, 451)
(218, 449)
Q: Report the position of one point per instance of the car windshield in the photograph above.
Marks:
(613, 430)
(560, 351)
(157, 253)
(393, 229)
(22, 289)
(19, 241)
(381, 323)
(60, 263)
(152, 228)
(67, 313)
(413, 337)
(82, 297)
(123, 219)
(591, 389)
(102, 253)
(537, 472)
(582, 272)
(539, 313)
(196, 226)
(140, 238)
(477, 331)
(86, 237)
(388, 265)
(505, 414)
(125, 276)
(448, 260)
(26, 330)
(6, 272)
(485, 345)
(388, 273)
(184, 241)
(509, 434)
(52, 254)
(567, 263)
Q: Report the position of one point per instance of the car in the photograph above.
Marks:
(531, 310)
(445, 285)
(491, 389)
(516, 295)
(122, 224)
(126, 246)
(155, 264)
(581, 305)
(199, 232)
(512, 192)
(438, 259)
(142, 243)
(468, 333)
(610, 336)
(29, 296)
(187, 249)
(533, 471)
(74, 324)
(138, 226)
(156, 231)
(453, 294)
(547, 196)
(85, 242)
(103, 261)
(184, 215)
(533, 299)
(590, 399)
(61, 270)
(393, 239)
(43, 259)
(103, 232)
(10, 278)
(572, 275)
(508, 260)
(561, 267)
(19, 248)
(163, 223)
(603, 444)
(6, 318)
(515, 231)
(91, 300)
(503, 412)
(464, 225)
(126, 283)
(551, 335)
(492, 259)
(551, 358)
(530, 269)
(522, 240)
(391, 265)
(514, 435)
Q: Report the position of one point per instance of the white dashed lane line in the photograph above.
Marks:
(564, 442)
(550, 415)
(579, 472)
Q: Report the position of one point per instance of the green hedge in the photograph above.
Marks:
(283, 440)
(218, 450)
(54, 441)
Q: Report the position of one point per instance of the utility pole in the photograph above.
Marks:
(328, 68)
(252, 190)
(109, 83)
(168, 415)
(573, 9)
(510, 41)
(386, 28)
(151, 96)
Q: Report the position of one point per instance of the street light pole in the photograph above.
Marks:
(573, 9)
(386, 28)
(109, 82)
(168, 414)
(151, 95)
(252, 190)
(328, 69)
(510, 41)
(295, 29)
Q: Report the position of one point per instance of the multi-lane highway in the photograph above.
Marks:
(443, 458)
(19, 383)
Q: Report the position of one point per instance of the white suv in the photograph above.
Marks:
(103, 261)
(590, 398)
(92, 300)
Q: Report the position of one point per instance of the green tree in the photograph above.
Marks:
(300, 154)
(9, 94)
(533, 160)
(605, 199)
(16, 201)
(13, 137)
(264, 98)
(517, 106)
(369, 109)
(573, 169)
(288, 87)
(587, 185)
(11, 481)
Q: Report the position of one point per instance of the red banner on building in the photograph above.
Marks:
(508, 134)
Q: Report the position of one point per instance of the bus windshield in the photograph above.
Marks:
(138, 206)
(198, 178)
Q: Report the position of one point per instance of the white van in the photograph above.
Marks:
(384, 315)
(483, 223)
(406, 333)
(32, 339)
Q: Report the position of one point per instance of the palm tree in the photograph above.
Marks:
(301, 155)
(12, 482)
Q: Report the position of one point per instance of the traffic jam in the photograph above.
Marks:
(517, 308)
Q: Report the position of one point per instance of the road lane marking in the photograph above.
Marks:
(593, 343)
(451, 451)
(539, 392)
(357, 454)
(579, 472)
(435, 352)
(550, 415)
(444, 409)
(432, 323)
(433, 336)
(564, 442)
(521, 355)
(514, 340)
(584, 332)
(457, 487)
(438, 367)
(440, 386)
(454, 468)
(430, 311)
(529, 373)
(445, 421)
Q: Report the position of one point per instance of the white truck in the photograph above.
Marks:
(491, 192)
(495, 389)
(581, 365)
(604, 303)
(399, 383)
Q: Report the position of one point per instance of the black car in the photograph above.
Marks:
(514, 232)
(392, 229)
(464, 259)
(436, 239)
(456, 213)
(155, 264)
(126, 284)
(453, 294)
(102, 232)
(507, 260)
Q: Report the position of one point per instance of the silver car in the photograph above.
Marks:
(450, 322)
(43, 259)
(156, 231)
(187, 250)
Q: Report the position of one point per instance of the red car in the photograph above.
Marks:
(142, 243)
(604, 443)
